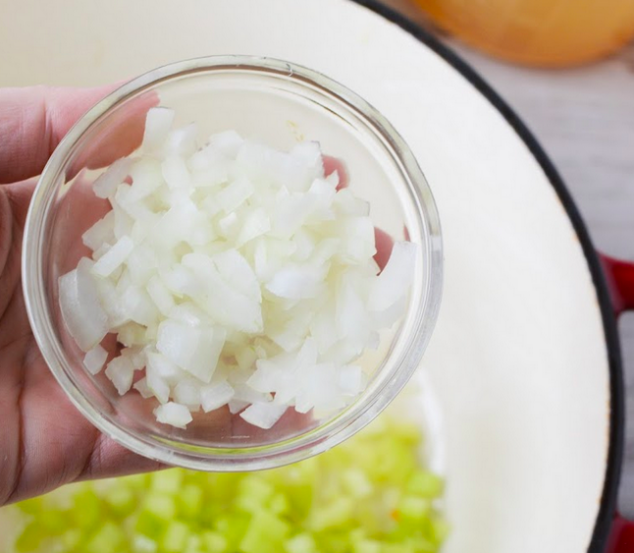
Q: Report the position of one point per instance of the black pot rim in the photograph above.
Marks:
(617, 415)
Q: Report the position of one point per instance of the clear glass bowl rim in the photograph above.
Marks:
(277, 454)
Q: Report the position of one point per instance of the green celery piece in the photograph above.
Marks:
(333, 542)
(214, 542)
(413, 508)
(30, 538)
(31, 506)
(266, 533)
(107, 539)
(167, 481)
(221, 486)
(232, 527)
(143, 544)
(190, 501)
(162, 506)
(254, 493)
(301, 543)
(366, 546)
(440, 529)
(358, 534)
(356, 483)
(53, 521)
(194, 541)
(337, 514)
(138, 482)
(425, 484)
(149, 525)
(279, 504)
(121, 499)
(175, 537)
(72, 538)
(421, 545)
(398, 548)
(87, 509)
(405, 432)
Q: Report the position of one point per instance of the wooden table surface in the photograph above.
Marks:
(584, 119)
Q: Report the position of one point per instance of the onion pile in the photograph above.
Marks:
(233, 275)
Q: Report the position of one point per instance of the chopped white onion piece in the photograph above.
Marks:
(237, 405)
(120, 372)
(108, 181)
(114, 257)
(215, 396)
(101, 233)
(95, 359)
(85, 319)
(182, 142)
(395, 279)
(173, 414)
(263, 415)
(158, 123)
(194, 349)
(142, 387)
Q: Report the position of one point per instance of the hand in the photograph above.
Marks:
(44, 441)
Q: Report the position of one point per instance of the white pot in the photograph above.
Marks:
(524, 364)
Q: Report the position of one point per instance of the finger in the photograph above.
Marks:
(34, 120)
(122, 134)
(332, 164)
(384, 244)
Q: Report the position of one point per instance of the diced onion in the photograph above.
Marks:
(235, 275)
(174, 414)
(95, 359)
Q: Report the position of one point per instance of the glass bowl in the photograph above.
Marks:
(278, 104)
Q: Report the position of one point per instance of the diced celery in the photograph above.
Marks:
(425, 484)
(366, 546)
(106, 539)
(214, 542)
(190, 501)
(412, 508)
(253, 494)
(121, 499)
(72, 538)
(334, 542)
(160, 505)
(30, 538)
(301, 543)
(136, 481)
(148, 524)
(31, 506)
(167, 481)
(398, 548)
(52, 521)
(335, 515)
(233, 528)
(356, 483)
(421, 545)
(279, 504)
(368, 493)
(175, 537)
(440, 529)
(266, 533)
(143, 544)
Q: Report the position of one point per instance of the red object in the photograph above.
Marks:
(621, 538)
(620, 279)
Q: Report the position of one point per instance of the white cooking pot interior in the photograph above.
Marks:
(518, 364)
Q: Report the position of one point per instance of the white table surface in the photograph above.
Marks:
(584, 119)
